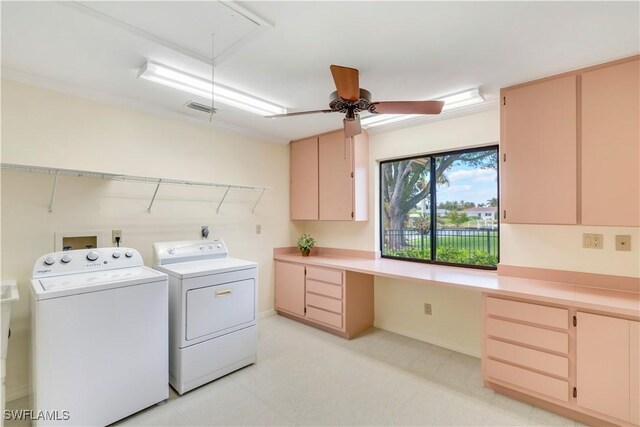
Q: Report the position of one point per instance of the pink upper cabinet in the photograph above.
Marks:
(330, 177)
(336, 182)
(344, 176)
(539, 175)
(611, 145)
(304, 179)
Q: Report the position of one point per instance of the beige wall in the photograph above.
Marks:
(456, 319)
(41, 127)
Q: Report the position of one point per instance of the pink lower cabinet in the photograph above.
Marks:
(607, 366)
(289, 288)
(527, 347)
(340, 302)
(582, 365)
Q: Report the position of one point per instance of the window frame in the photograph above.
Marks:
(433, 207)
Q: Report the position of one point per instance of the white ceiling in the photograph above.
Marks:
(281, 51)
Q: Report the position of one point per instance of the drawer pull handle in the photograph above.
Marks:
(224, 293)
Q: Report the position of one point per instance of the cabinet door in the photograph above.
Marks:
(611, 145)
(539, 182)
(304, 179)
(361, 177)
(634, 358)
(602, 361)
(336, 182)
(289, 284)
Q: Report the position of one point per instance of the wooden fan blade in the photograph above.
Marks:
(352, 127)
(298, 113)
(407, 107)
(347, 82)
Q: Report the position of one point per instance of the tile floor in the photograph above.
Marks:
(308, 377)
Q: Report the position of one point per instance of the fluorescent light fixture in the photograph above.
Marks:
(451, 102)
(461, 99)
(386, 119)
(199, 86)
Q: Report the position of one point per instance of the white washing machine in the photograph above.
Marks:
(99, 337)
(212, 311)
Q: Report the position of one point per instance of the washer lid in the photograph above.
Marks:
(71, 284)
(185, 270)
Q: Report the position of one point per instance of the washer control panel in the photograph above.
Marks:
(86, 260)
(190, 250)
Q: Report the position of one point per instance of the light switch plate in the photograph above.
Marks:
(623, 242)
(592, 241)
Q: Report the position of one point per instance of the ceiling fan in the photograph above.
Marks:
(351, 99)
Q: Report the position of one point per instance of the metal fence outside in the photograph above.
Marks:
(472, 239)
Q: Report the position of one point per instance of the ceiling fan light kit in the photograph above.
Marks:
(196, 85)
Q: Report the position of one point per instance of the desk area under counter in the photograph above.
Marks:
(533, 348)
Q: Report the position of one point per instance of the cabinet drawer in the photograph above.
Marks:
(326, 289)
(539, 383)
(539, 360)
(530, 335)
(325, 303)
(326, 317)
(526, 312)
(325, 275)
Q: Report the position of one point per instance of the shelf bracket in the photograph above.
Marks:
(53, 192)
(253, 209)
(155, 193)
(222, 200)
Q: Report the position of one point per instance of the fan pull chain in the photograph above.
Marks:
(213, 56)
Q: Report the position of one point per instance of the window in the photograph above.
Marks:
(441, 208)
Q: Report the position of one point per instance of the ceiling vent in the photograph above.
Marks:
(200, 107)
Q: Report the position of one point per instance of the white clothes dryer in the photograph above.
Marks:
(212, 311)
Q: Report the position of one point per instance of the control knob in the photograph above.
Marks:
(172, 251)
(93, 255)
(116, 255)
(128, 254)
(202, 248)
(65, 259)
(49, 260)
(218, 246)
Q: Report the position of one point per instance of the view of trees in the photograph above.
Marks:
(405, 183)
(406, 217)
(457, 218)
(462, 205)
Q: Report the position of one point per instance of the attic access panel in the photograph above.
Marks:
(188, 24)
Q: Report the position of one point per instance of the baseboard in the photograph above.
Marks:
(16, 393)
(432, 340)
(266, 313)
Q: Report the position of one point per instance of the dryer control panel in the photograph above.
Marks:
(86, 260)
(189, 250)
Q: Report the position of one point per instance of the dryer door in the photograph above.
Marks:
(220, 309)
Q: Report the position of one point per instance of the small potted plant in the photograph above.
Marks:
(306, 243)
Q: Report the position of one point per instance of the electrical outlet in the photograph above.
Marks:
(623, 242)
(427, 309)
(592, 241)
(258, 229)
(596, 241)
(114, 234)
